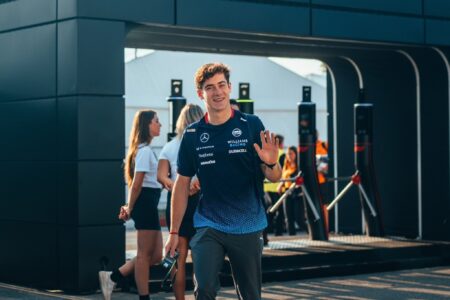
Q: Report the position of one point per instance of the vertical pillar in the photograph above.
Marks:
(90, 123)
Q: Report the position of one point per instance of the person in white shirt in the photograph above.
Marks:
(142, 205)
(167, 172)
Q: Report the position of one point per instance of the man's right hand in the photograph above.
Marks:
(171, 244)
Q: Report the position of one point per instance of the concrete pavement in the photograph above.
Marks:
(417, 284)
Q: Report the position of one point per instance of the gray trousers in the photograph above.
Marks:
(244, 251)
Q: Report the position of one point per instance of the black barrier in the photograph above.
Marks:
(307, 166)
(364, 164)
(176, 104)
(244, 101)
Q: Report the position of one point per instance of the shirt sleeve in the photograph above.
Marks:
(186, 155)
(142, 161)
(257, 128)
(164, 152)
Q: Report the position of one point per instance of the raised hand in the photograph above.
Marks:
(268, 152)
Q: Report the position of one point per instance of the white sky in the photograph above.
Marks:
(300, 66)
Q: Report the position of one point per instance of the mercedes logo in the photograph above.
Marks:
(204, 137)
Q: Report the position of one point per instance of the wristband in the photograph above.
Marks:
(270, 166)
(174, 232)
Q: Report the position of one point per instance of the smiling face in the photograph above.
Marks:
(216, 93)
(154, 128)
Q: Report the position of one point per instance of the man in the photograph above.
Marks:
(231, 154)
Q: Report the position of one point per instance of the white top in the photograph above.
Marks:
(147, 163)
(170, 153)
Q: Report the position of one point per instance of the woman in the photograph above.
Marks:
(167, 171)
(293, 207)
(143, 197)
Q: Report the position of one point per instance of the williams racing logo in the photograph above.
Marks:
(236, 132)
(204, 137)
(237, 143)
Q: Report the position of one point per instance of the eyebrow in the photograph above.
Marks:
(220, 82)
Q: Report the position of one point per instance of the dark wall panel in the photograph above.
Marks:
(28, 191)
(437, 32)
(154, 11)
(347, 87)
(21, 251)
(434, 110)
(91, 128)
(28, 130)
(366, 27)
(400, 6)
(243, 16)
(22, 13)
(27, 63)
(90, 193)
(86, 49)
(81, 253)
(390, 85)
(437, 8)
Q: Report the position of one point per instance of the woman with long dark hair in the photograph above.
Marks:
(142, 205)
(293, 206)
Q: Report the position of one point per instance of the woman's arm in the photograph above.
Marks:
(163, 174)
(133, 194)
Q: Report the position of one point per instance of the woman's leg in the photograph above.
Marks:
(289, 214)
(149, 244)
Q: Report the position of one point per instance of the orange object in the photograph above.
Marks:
(321, 149)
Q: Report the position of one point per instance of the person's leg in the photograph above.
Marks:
(125, 270)
(270, 217)
(278, 215)
(149, 251)
(289, 214)
(280, 221)
(208, 255)
(179, 286)
(245, 252)
(168, 204)
(300, 213)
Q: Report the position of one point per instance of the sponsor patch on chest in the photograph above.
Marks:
(232, 151)
(237, 143)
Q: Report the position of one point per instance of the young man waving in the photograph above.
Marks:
(231, 154)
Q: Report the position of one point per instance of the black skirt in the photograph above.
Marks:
(145, 211)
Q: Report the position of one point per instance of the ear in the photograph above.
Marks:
(200, 93)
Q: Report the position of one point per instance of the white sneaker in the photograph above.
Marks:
(106, 284)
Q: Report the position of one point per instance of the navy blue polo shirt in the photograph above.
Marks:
(224, 159)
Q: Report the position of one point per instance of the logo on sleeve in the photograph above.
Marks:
(236, 132)
(204, 137)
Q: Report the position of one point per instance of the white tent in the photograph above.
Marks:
(275, 90)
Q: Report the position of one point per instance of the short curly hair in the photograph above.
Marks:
(209, 70)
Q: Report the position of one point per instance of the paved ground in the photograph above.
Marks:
(419, 284)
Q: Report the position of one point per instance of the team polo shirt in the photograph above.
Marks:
(224, 159)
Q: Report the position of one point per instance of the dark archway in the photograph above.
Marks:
(62, 111)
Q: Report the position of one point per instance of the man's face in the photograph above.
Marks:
(216, 93)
